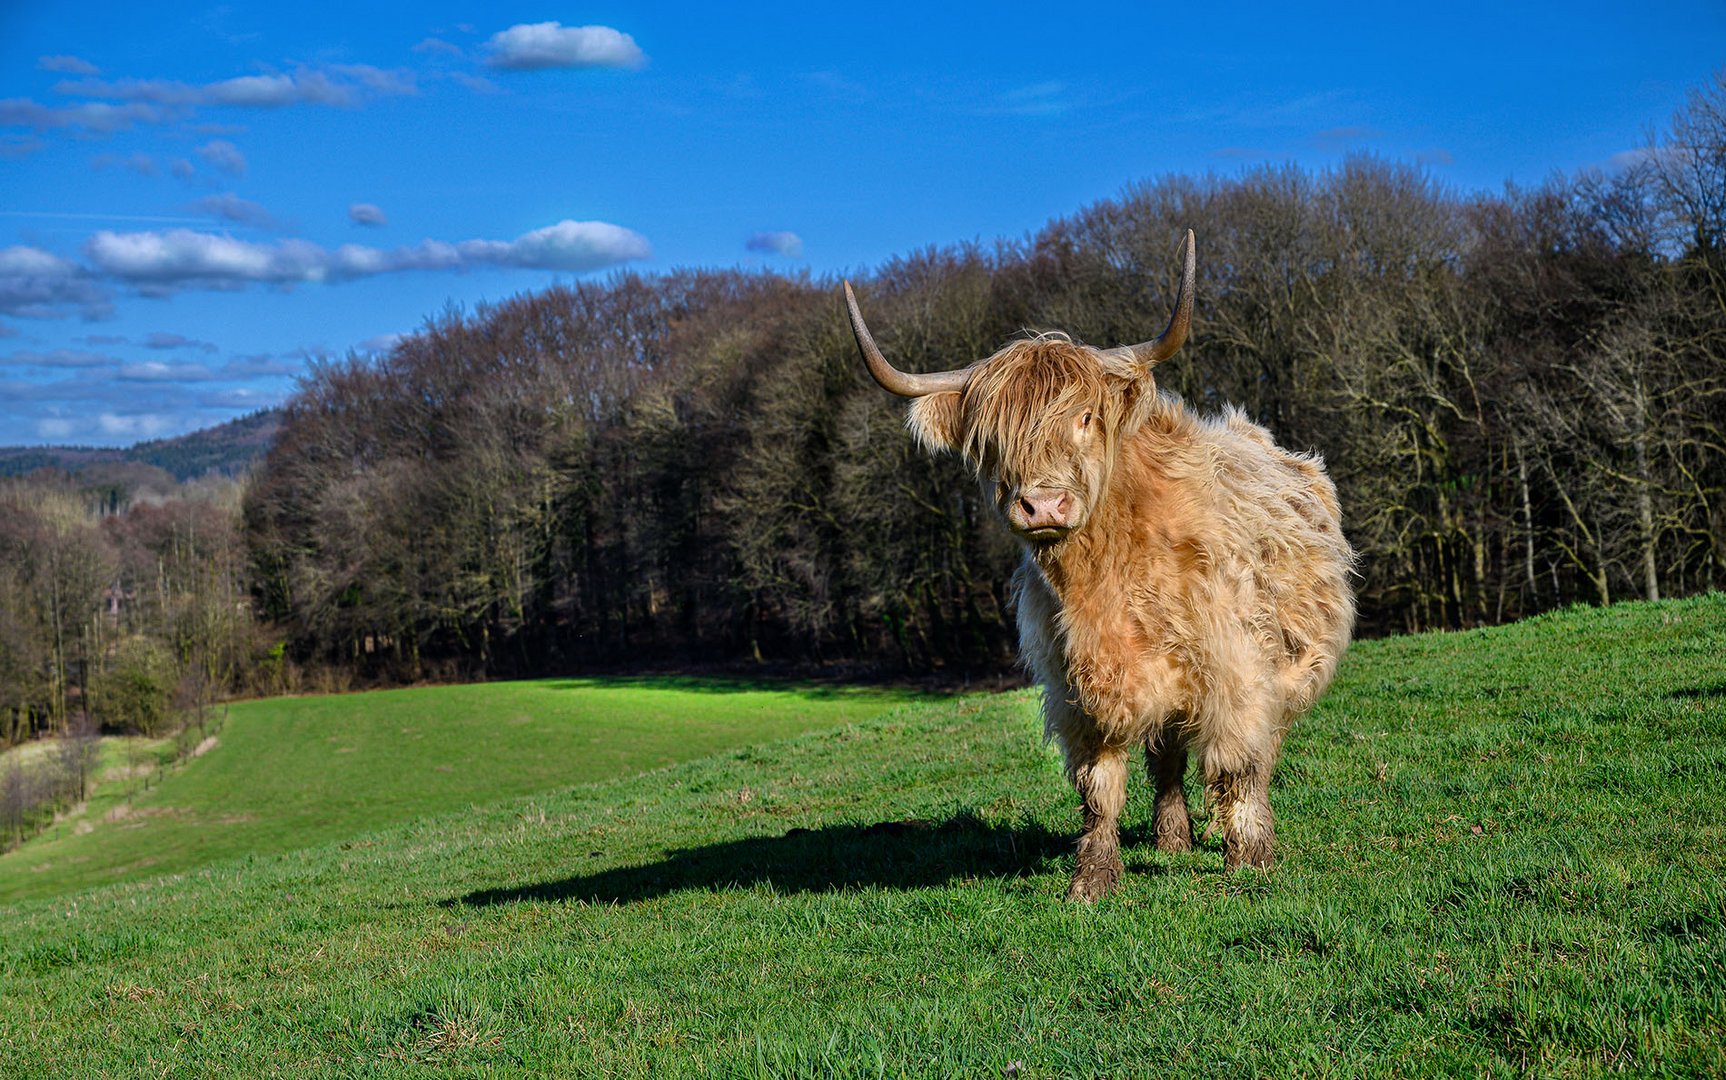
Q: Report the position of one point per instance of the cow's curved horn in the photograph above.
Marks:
(1163, 346)
(903, 383)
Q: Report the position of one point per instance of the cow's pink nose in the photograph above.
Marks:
(1045, 510)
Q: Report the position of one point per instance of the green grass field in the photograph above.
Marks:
(289, 773)
(1500, 854)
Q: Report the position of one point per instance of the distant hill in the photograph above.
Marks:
(226, 448)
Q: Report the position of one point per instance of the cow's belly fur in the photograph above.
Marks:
(1215, 634)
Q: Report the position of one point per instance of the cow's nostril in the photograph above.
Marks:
(1029, 507)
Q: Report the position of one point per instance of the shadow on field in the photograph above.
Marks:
(1698, 692)
(889, 854)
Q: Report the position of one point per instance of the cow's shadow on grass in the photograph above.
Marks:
(891, 854)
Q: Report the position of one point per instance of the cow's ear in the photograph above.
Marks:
(1137, 396)
(934, 421)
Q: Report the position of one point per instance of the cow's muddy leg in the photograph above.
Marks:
(1166, 761)
(1099, 773)
(1242, 809)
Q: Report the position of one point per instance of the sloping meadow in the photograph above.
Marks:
(1500, 852)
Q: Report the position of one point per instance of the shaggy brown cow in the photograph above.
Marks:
(1185, 581)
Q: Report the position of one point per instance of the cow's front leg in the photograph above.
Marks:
(1099, 772)
(1242, 808)
(1166, 761)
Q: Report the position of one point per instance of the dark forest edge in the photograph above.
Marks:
(1521, 397)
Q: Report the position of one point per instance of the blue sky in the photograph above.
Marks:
(195, 198)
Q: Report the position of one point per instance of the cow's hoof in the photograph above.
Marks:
(1256, 855)
(1092, 883)
(1175, 840)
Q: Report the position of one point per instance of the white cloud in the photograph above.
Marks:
(22, 261)
(161, 262)
(788, 244)
(157, 371)
(224, 155)
(136, 425)
(241, 398)
(68, 65)
(38, 284)
(535, 46)
(362, 213)
(568, 245)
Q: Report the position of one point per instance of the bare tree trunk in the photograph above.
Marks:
(1527, 527)
(1645, 499)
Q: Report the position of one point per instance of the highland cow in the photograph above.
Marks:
(1185, 582)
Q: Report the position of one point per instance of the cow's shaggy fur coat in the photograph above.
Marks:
(1199, 604)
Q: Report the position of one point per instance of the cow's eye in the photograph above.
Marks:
(1085, 420)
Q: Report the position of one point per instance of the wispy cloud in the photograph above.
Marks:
(67, 65)
(432, 46)
(94, 116)
(838, 85)
(255, 365)
(1038, 99)
(1334, 137)
(13, 147)
(537, 46)
(339, 85)
(119, 104)
(224, 155)
(163, 340)
(59, 358)
(230, 207)
(380, 343)
(157, 371)
(141, 163)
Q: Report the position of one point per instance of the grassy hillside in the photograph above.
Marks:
(287, 773)
(1501, 854)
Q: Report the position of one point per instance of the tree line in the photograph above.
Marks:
(1521, 397)
(125, 607)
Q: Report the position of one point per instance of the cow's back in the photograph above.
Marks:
(1276, 527)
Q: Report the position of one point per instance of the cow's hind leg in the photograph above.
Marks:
(1166, 761)
(1099, 772)
(1239, 751)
